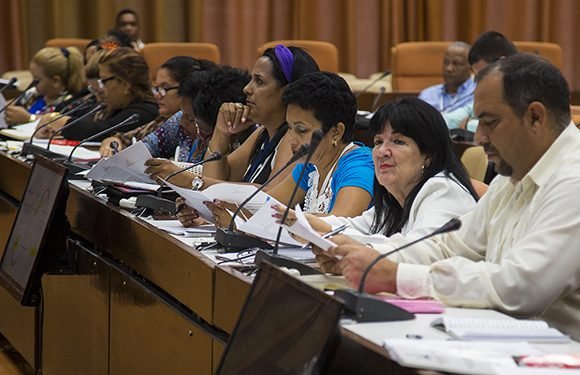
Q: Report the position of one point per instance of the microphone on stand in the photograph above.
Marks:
(96, 108)
(8, 84)
(314, 142)
(233, 241)
(17, 99)
(373, 82)
(363, 307)
(157, 203)
(75, 168)
(378, 97)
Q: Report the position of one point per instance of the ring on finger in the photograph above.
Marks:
(239, 106)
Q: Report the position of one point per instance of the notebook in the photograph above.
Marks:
(499, 329)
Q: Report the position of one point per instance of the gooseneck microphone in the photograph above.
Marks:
(67, 113)
(232, 240)
(17, 99)
(366, 308)
(98, 107)
(373, 82)
(450, 226)
(8, 84)
(158, 203)
(314, 142)
(128, 121)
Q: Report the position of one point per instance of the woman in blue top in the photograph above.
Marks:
(339, 178)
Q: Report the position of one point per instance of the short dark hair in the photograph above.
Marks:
(303, 64)
(418, 120)
(209, 89)
(120, 37)
(531, 78)
(491, 46)
(328, 96)
(180, 67)
(124, 11)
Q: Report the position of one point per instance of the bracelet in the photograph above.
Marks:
(32, 118)
(223, 153)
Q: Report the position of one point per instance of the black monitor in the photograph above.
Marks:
(285, 327)
(37, 231)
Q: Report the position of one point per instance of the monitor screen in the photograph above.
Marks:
(285, 327)
(45, 194)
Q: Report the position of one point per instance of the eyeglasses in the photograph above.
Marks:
(162, 91)
(102, 82)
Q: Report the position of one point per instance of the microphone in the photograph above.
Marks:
(8, 84)
(378, 97)
(74, 168)
(450, 226)
(82, 106)
(314, 142)
(96, 108)
(233, 241)
(158, 203)
(366, 308)
(17, 99)
(373, 82)
(128, 121)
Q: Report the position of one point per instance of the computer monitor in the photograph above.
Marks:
(37, 230)
(285, 327)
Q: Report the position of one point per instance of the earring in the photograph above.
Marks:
(423, 169)
(334, 143)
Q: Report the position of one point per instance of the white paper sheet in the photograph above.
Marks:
(21, 132)
(263, 225)
(127, 165)
(303, 229)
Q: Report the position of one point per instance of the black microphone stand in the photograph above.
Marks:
(363, 307)
(234, 241)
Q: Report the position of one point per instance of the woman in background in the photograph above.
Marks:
(124, 79)
(167, 80)
(59, 72)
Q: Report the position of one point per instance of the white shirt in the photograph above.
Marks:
(518, 251)
(440, 199)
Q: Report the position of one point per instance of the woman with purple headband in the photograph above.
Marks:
(264, 152)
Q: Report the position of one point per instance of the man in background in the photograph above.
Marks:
(457, 89)
(127, 22)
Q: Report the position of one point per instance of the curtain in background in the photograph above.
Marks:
(363, 30)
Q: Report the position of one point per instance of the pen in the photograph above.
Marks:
(177, 150)
(336, 231)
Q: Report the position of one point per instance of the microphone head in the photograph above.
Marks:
(134, 117)
(215, 156)
(315, 141)
(450, 226)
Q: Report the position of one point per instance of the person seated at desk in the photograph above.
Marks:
(124, 79)
(419, 184)
(127, 22)
(458, 86)
(59, 72)
(339, 178)
(487, 48)
(202, 93)
(517, 250)
(267, 149)
(168, 77)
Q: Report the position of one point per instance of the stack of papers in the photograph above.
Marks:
(21, 132)
(127, 165)
(499, 329)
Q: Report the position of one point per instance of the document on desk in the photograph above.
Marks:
(303, 229)
(264, 226)
(457, 356)
(127, 165)
(21, 132)
(499, 329)
(227, 192)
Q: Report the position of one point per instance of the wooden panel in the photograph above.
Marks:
(18, 326)
(76, 319)
(13, 176)
(148, 337)
(231, 290)
(181, 271)
(218, 351)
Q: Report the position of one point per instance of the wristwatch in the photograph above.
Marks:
(197, 183)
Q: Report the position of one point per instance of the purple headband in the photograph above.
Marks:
(286, 60)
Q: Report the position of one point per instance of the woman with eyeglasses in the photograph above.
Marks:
(124, 81)
(160, 133)
(59, 75)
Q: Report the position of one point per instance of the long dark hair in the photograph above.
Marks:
(414, 118)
